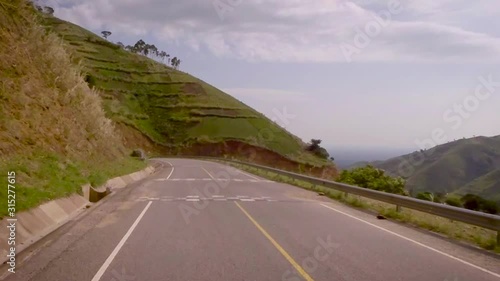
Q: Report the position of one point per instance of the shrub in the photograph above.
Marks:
(373, 178)
(477, 203)
(427, 196)
(453, 201)
(315, 148)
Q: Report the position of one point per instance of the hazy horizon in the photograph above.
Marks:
(346, 156)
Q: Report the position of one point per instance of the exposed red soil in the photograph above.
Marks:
(133, 139)
(258, 155)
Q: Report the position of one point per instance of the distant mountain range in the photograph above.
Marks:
(460, 167)
(345, 156)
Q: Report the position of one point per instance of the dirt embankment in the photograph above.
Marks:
(132, 138)
(258, 155)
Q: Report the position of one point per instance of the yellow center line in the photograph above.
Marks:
(280, 249)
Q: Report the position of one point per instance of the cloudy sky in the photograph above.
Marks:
(360, 73)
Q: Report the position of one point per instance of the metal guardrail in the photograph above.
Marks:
(484, 220)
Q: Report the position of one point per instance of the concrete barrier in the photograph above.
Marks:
(36, 223)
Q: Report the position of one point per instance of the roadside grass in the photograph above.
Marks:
(54, 133)
(44, 177)
(479, 236)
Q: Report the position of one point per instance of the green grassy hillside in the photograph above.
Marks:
(487, 186)
(172, 108)
(449, 167)
(53, 131)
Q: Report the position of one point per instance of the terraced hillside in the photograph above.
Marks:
(178, 113)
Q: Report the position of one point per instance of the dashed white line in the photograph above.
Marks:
(192, 199)
(247, 200)
(415, 242)
(113, 254)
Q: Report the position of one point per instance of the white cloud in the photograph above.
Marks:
(300, 30)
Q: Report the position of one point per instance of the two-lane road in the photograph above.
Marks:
(202, 221)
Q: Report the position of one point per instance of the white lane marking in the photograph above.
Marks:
(246, 200)
(171, 172)
(212, 177)
(192, 199)
(220, 199)
(217, 196)
(238, 180)
(193, 196)
(189, 179)
(113, 254)
(248, 175)
(415, 242)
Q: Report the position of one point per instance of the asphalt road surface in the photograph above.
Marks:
(203, 221)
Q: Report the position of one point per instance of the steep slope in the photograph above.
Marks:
(53, 131)
(487, 186)
(448, 167)
(178, 113)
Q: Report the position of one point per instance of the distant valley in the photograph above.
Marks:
(345, 157)
(459, 167)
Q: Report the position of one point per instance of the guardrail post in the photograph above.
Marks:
(398, 208)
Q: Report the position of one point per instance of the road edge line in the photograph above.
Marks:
(415, 242)
(113, 254)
